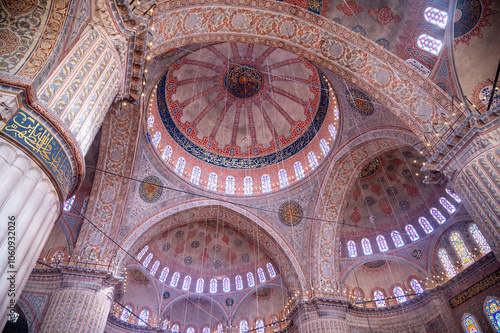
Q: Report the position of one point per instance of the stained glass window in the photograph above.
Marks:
(165, 324)
(187, 283)
(199, 285)
(146, 261)
(454, 196)
(126, 313)
(270, 269)
(230, 185)
(283, 178)
(424, 223)
(463, 252)
(195, 175)
(436, 17)
(250, 279)
(351, 248)
(429, 44)
(144, 316)
(247, 185)
(151, 121)
(336, 112)
(447, 205)
(239, 282)
(212, 181)
(492, 309)
(299, 172)
(167, 152)
(143, 252)
(266, 183)
(260, 273)
(163, 275)
(175, 279)
(57, 258)
(206, 329)
(324, 147)
(259, 325)
(226, 285)
(438, 216)
(156, 138)
(213, 286)
(379, 298)
(400, 294)
(470, 324)
(416, 286)
(220, 329)
(412, 232)
(367, 246)
(357, 297)
(154, 268)
(175, 328)
(276, 326)
(67, 205)
(181, 164)
(447, 264)
(190, 330)
(479, 238)
(382, 244)
(333, 131)
(313, 162)
(243, 326)
(397, 239)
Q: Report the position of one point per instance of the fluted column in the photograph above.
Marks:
(29, 206)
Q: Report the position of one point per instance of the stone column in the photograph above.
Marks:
(82, 304)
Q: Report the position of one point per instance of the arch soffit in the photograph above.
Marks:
(182, 213)
(253, 290)
(151, 280)
(182, 297)
(416, 100)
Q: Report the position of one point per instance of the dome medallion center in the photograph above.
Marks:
(243, 81)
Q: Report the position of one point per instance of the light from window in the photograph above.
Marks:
(358, 298)
(266, 183)
(260, 273)
(470, 324)
(175, 279)
(276, 326)
(226, 285)
(126, 313)
(239, 282)
(351, 248)
(259, 326)
(230, 187)
(459, 245)
(67, 205)
(195, 175)
(163, 275)
(416, 286)
(438, 216)
(156, 138)
(143, 252)
(454, 196)
(247, 185)
(367, 246)
(167, 152)
(299, 172)
(379, 298)
(492, 309)
(447, 205)
(144, 316)
(283, 178)
(181, 164)
(190, 330)
(250, 279)
(271, 271)
(165, 324)
(336, 112)
(436, 17)
(213, 286)
(187, 283)
(400, 294)
(151, 121)
(447, 264)
(479, 238)
(397, 239)
(199, 285)
(429, 44)
(424, 223)
(243, 326)
(324, 147)
(212, 181)
(382, 244)
(206, 329)
(146, 261)
(332, 130)
(412, 233)
(313, 162)
(220, 328)
(154, 268)
(175, 328)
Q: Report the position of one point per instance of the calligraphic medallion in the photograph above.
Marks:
(243, 81)
(150, 189)
(290, 213)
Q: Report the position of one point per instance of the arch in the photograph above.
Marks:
(181, 298)
(469, 324)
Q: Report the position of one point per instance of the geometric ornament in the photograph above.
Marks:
(150, 189)
(290, 213)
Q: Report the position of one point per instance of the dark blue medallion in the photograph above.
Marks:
(243, 81)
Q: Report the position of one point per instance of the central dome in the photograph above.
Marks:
(243, 81)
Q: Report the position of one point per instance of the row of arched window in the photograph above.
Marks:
(398, 293)
(428, 43)
(492, 311)
(409, 228)
(200, 283)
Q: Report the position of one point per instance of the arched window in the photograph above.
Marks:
(199, 285)
(412, 232)
(492, 309)
(336, 112)
(156, 138)
(461, 249)
(250, 279)
(154, 268)
(429, 44)
(479, 238)
(358, 297)
(351, 248)
(454, 196)
(239, 282)
(397, 239)
(220, 329)
(247, 185)
(230, 187)
(206, 329)
(243, 326)
(382, 244)
(187, 283)
(266, 183)
(146, 261)
(437, 215)
(144, 316)
(181, 164)
(424, 223)
(332, 130)
(400, 294)
(190, 330)
(175, 279)
(313, 162)
(67, 205)
(299, 172)
(151, 121)
(324, 147)
(270, 269)
(276, 325)
(436, 17)
(259, 326)
(447, 205)
(260, 273)
(367, 246)
(470, 324)
(226, 285)
(213, 286)
(212, 181)
(195, 175)
(283, 178)
(447, 264)
(167, 152)
(175, 328)
(163, 275)
(416, 286)
(126, 313)
(143, 252)
(379, 298)
(165, 324)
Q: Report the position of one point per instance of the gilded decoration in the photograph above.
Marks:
(417, 254)
(243, 81)
(262, 293)
(475, 289)
(150, 189)
(138, 276)
(370, 169)
(290, 213)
